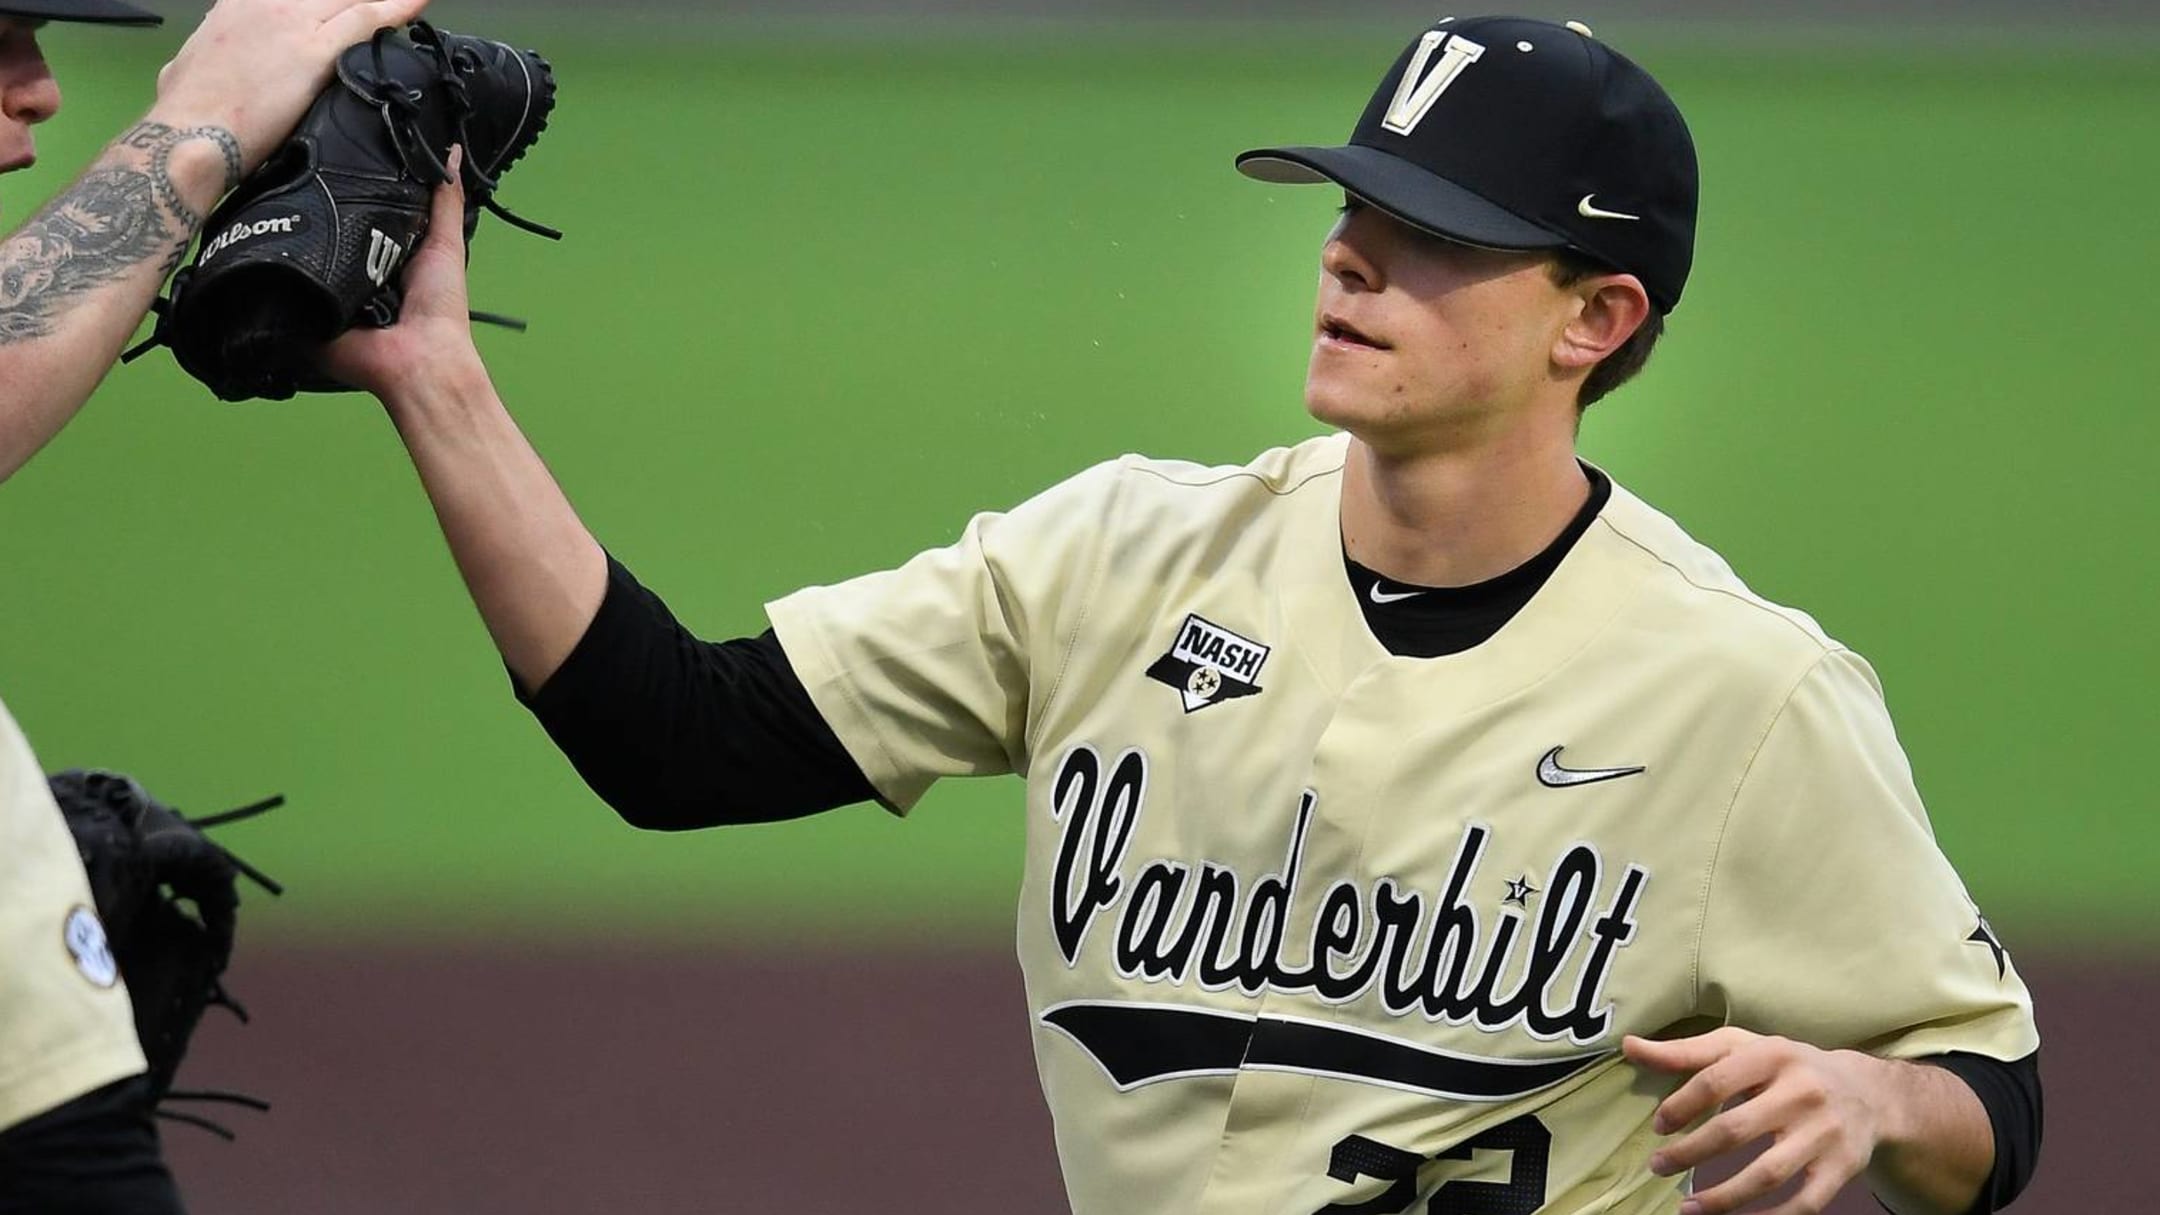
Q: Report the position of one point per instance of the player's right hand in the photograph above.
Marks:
(432, 339)
(254, 66)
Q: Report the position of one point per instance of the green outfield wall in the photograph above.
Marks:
(819, 302)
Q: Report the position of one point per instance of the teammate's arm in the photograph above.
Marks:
(77, 278)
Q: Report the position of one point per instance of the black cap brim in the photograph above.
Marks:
(96, 12)
(1414, 195)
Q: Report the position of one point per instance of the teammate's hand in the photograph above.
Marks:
(253, 66)
(1818, 1108)
(433, 333)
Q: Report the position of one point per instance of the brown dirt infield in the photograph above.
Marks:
(474, 1082)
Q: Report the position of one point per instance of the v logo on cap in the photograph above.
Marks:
(1419, 89)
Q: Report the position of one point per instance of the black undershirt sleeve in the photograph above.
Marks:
(2010, 1092)
(95, 1155)
(677, 733)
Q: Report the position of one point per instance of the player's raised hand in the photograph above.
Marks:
(433, 333)
(253, 66)
(1819, 1109)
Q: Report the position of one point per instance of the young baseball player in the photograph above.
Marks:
(75, 281)
(1417, 820)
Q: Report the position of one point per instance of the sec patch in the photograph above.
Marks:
(84, 937)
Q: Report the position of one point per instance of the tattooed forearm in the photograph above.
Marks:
(105, 226)
(102, 229)
(159, 140)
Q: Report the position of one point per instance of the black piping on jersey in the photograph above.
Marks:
(1139, 1043)
(1431, 622)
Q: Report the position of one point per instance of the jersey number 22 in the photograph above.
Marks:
(1521, 1194)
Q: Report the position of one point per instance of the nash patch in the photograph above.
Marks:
(1209, 663)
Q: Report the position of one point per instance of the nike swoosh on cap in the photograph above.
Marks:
(1553, 776)
(1587, 211)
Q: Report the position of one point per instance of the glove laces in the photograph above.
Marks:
(219, 996)
(401, 112)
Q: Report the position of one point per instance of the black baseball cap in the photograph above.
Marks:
(100, 12)
(1510, 133)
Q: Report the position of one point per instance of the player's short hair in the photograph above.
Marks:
(1569, 268)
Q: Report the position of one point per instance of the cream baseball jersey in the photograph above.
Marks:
(65, 1024)
(1309, 927)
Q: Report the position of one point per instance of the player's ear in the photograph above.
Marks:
(1609, 309)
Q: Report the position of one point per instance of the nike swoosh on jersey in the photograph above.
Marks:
(1553, 776)
(1137, 1043)
(1383, 598)
(1587, 211)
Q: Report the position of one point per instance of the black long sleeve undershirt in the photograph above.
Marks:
(2010, 1092)
(677, 733)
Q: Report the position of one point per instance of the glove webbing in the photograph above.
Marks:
(219, 996)
(401, 108)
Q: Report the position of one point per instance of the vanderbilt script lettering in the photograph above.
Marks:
(1428, 952)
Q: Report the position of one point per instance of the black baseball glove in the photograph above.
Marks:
(315, 241)
(166, 893)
